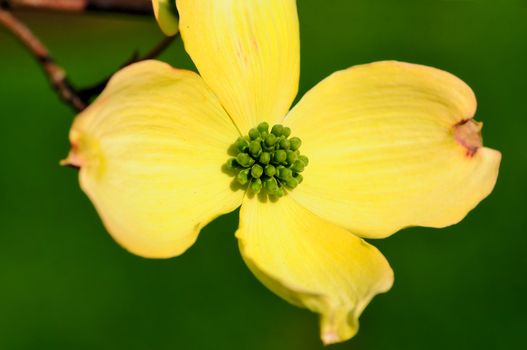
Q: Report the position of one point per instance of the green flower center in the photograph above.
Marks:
(268, 161)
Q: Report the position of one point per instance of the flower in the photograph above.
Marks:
(390, 145)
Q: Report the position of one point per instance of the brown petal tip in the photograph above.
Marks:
(468, 134)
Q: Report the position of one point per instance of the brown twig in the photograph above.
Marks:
(54, 72)
(88, 93)
(77, 99)
(160, 47)
(121, 6)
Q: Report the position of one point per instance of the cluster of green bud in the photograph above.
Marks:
(268, 160)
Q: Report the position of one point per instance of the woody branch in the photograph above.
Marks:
(78, 99)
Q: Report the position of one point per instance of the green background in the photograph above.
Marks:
(64, 283)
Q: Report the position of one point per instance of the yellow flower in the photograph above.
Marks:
(390, 145)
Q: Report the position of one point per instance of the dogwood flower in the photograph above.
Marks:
(368, 151)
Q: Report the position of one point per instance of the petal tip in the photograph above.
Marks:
(71, 160)
(339, 325)
(467, 133)
(329, 337)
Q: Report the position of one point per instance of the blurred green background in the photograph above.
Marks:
(64, 284)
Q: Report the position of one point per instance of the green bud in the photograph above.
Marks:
(268, 159)
(270, 140)
(265, 158)
(280, 156)
(299, 178)
(271, 185)
(256, 171)
(254, 134)
(232, 163)
(279, 192)
(295, 143)
(255, 148)
(285, 173)
(292, 182)
(263, 127)
(291, 157)
(270, 170)
(267, 148)
(298, 166)
(277, 130)
(243, 177)
(284, 144)
(242, 144)
(244, 160)
(256, 186)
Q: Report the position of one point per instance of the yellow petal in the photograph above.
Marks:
(166, 16)
(150, 151)
(312, 263)
(392, 145)
(248, 52)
